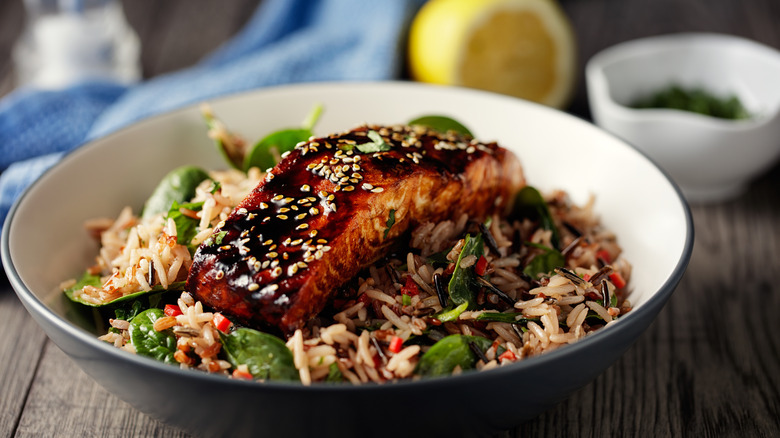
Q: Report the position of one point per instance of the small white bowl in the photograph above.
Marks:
(710, 159)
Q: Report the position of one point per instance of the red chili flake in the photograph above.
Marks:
(586, 277)
(395, 344)
(220, 322)
(410, 288)
(172, 310)
(508, 355)
(481, 266)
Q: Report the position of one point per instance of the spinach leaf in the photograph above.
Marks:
(390, 222)
(266, 356)
(177, 186)
(442, 358)
(86, 279)
(149, 342)
(377, 144)
(130, 311)
(544, 262)
(94, 280)
(263, 154)
(441, 124)
(186, 226)
(461, 284)
(528, 203)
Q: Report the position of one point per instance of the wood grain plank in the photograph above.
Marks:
(21, 347)
(64, 401)
(708, 366)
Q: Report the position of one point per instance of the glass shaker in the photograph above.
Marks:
(69, 41)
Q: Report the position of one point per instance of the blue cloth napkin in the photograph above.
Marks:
(285, 41)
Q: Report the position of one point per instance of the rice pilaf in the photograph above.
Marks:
(381, 323)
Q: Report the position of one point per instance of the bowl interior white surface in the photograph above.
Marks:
(44, 241)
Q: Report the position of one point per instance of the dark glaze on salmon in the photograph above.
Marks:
(323, 213)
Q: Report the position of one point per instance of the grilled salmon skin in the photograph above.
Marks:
(335, 205)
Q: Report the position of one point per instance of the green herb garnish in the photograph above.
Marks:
(509, 317)
(451, 314)
(696, 100)
(186, 226)
(334, 374)
(390, 222)
(377, 144)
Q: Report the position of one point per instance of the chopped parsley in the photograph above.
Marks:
(377, 144)
(390, 222)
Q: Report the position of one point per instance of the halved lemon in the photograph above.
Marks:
(523, 48)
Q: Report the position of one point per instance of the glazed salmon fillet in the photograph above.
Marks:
(335, 205)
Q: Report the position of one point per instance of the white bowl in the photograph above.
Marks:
(711, 159)
(43, 242)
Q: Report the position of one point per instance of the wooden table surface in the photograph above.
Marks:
(708, 366)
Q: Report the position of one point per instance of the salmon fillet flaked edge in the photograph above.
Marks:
(335, 205)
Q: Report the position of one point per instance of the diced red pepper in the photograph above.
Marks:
(604, 255)
(481, 266)
(410, 288)
(617, 280)
(395, 344)
(238, 374)
(172, 310)
(507, 355)
(586, 277)
(220, 322)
